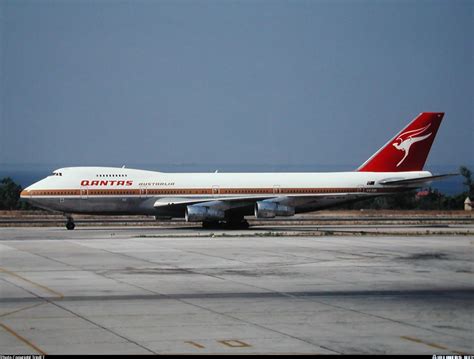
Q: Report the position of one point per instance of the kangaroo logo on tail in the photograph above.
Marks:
(407, 139)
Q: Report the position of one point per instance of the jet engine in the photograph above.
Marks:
(272, 209)
(201, 213)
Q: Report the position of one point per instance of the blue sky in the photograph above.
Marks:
(234, 82)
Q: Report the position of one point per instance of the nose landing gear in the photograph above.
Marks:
(70, 223)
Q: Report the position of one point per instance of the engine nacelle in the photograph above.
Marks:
(201, 213)
(272, 209)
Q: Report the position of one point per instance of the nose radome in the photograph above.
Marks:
(25, 193)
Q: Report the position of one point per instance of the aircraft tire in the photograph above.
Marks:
(70, 226)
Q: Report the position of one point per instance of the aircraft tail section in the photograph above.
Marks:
(408, 150)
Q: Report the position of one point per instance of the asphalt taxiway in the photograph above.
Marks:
(145, 290)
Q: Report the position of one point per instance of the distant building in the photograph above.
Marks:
(422, 194)
(468, 204)
(427, 192)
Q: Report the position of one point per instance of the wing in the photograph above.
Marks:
(244, 205)
(221, 203)
(177, 206)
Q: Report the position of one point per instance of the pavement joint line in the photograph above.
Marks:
(22, 339)
(57, 294)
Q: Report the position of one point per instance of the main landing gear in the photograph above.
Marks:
(70, 223)
(229, 224)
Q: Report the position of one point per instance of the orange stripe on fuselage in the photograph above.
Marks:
(202, 191)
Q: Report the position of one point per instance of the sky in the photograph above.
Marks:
(317, 83)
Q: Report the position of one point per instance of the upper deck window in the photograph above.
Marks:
(111, 175)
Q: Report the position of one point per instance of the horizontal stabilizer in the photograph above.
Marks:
(409, 181)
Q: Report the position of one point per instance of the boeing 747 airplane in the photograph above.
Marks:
(217, 199)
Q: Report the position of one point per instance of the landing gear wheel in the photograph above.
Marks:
(244, 224)
(237, 224)
(228, 224)
(70, 225)
(210, 224)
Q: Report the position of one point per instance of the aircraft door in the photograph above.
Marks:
(84, 193)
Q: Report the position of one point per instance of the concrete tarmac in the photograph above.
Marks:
(145, 290)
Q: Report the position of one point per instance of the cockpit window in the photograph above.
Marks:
(56, 174)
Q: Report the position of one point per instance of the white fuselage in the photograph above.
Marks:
(105, 190)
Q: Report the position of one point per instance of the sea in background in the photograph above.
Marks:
(25, 175)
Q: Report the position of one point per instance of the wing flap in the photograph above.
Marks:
(226, 203)
(410, 181)
(165, 202)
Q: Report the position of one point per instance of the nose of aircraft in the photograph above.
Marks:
(24, 193)
(28, 195)
(33, 193)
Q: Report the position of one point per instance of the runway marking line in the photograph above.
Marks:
(57, 294)
(433, 345)
(194, 344)
(234, 343)
(19, 337)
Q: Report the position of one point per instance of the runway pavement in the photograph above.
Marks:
(146, 290)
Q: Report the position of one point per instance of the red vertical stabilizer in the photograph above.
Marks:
(408, 150)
